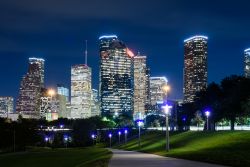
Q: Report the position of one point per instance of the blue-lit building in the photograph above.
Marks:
(116, 76)
(62, 90)
(247, 62)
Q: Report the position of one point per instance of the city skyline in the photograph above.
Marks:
(163, 46)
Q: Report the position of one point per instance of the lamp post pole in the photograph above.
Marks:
(139, 135)
(207, 113)
(125, 133)
(110, 136)
(119, 133)
(167, 134)
(166, 109)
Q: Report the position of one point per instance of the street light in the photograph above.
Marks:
(46, 140)
(93, 138)
(207, 113)
(110, 137)
(66, 138)
(139, 123)
(61, 126)
(119, 133)
(125, 133)
(166, 109)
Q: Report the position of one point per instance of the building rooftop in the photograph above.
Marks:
(107, 36)
(247, 50)
(195, 37)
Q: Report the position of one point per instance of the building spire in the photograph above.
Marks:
(86, 52)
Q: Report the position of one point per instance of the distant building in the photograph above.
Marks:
(28, 102)
(141, 87)
(6, 106)
(158, 93)
(116, 77)
(80, 91)
(247, 62)
(50, 105)
(95, 106)
(62, 90)
(195, 66)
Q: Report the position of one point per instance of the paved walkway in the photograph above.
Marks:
(135, 159)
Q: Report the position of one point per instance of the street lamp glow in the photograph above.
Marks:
(119, 133)
(61, 126)
(92, 136)
(139, 123)
(110, 136)
(66, 138)
(125, 135)
(207, 113)
(166, 109)
(46, 139)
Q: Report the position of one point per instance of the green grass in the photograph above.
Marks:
(225, 147)
(75, 157)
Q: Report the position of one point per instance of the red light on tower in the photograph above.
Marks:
(130, 53)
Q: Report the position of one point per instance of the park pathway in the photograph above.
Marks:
(136, 159)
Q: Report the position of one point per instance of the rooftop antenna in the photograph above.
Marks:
(86, 52)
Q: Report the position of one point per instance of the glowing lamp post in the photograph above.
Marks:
(119, 134)
(166, 109)
(66, 138)
(139, 123)
(46, 140)
(110, 138)
(125, 133)
(207, 113)
(93, 138)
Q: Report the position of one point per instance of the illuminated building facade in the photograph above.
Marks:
(6, 106)
(62, 90)
(28, 102)
(81, 91)
(247, 62)
(158, 93)
(95, 106)
(141, 87)
(195, 66)
(116, 77)
(50, 105)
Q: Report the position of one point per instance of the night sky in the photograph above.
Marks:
(56, 31)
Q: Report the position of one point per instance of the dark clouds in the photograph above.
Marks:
(55, 30)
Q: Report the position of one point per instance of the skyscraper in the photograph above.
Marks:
(62, 90)
(158, 93)
(80, 91)
(6, 106)
(247, 62)
(116, 76)
(141, 97)
(95, 106)
(50, 105)
(28, 102)
(195, 66)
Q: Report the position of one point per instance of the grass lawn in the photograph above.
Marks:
(224, 147)
(71, 157)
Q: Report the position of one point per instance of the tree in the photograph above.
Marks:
(236, 92)
(210, 99)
